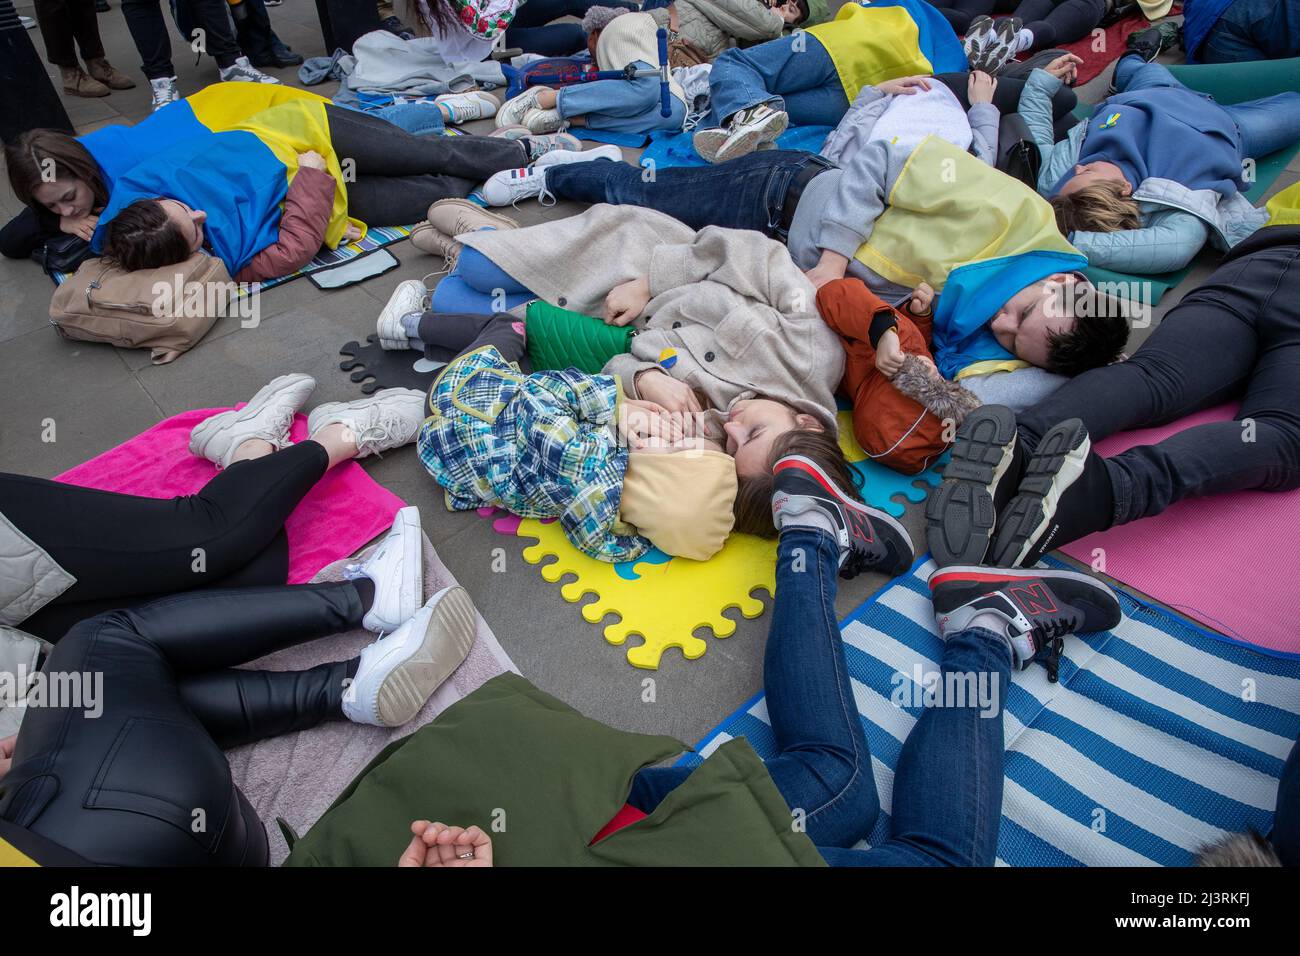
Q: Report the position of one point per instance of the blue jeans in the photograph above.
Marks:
(745, 193)
(1253, 30)
(804, 82)
(1266, 125)
(478, 285)
(625, 106)
(948, 787)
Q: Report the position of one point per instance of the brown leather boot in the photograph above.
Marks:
(109, 75)
(76, 82)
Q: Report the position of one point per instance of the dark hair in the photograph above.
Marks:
(803, 9)
(1097, 339)
(142, 236)
(441, 17)
(27, 156)
(753, 507)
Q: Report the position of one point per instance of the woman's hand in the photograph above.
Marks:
(980, 87)
(83, 228)
(627, 301)
(436, 844)
(311, 160)
(922, 300)
(831, 266)
(7, 754)
(351, 233)
(904, 86)
(656, 385)
(889, 354)
(1065, 68)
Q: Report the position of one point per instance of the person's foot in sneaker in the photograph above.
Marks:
(396, 568)
(981, 477)
(164, 91)
(427, 238)
(267, 417)
(409, 297)
(979, 36)
(242, 71)
(990, 45)
(449, 218)
(1153, 41)
(1033, 609)
(539, 144)
(707, 142)
(750, 129)
(458, 108)
(388, 419)
(397, 674)
(869, 540)
(509, 186)
(1025, 526)
(560, 157)
(513, 111)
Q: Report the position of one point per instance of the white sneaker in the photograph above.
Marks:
(409, 296)
(475, 104)
(512, 111)
(388, 419)
(539, 144)
(399, 673)
(397, 569)
(540, 121)
(268, 416)
(509, 186)
(559, 157)
(750, 129)
(242, 71)
(164, 92)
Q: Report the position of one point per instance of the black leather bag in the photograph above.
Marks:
(1018, 154)
(64, 253)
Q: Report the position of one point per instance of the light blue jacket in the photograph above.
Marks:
(1176, 220)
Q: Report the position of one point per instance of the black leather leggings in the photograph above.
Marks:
(134, 774)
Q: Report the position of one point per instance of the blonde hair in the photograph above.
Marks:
(1097, 207)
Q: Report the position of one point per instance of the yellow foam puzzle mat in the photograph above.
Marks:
(661, 599)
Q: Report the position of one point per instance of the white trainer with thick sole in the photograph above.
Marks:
(267, 416)
(397, 569)
(409, 296)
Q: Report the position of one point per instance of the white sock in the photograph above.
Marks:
(812, 518)
(1024, 40)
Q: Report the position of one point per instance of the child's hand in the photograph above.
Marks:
(922, 301)
(1065, 68)
(644, 424)
(311, 160)
(83, 227)
(627, 301)
(351, 233)
(904, 86)
(980, 87)
(889, 354)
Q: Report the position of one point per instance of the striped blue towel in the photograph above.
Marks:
(1159, 737)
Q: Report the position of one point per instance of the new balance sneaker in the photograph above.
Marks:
(1025, 526)
(268, 416)
(397, 569)
(509, 186)
(991, 45)
(1153, 41)
(559, 157)
(513, 111)
(463, 107)
(399, 673)
(869, 540)
(981, 477)
(409, 296)
(1033, 609)
(164, 91)
(750, 129)
(388, 419)
(539, 144)
(242, 71)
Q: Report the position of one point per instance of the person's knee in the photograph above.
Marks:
(848, 806)
(73, 649)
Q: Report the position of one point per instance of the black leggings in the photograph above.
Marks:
(399, 175)
(1051, 21)
(1006, 98)
(125, 550)
(137, 776)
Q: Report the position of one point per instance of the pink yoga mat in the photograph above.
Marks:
(341, 513)
(1229, 561)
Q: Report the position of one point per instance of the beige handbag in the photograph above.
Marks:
(167, 310)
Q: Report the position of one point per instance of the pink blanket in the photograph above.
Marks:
(338, 516)
(1228, 560)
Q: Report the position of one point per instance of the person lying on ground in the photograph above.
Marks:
(1158, 168)
(705, 28)
(1033, 25)
(139, 772)
(253, 173)
(1034, 478)
(466, 29)
(1237, 31)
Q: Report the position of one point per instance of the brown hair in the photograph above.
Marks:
(142, 236)
(1097, 207)
(753, 506)
(27, 156)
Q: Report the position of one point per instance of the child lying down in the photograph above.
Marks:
(621, 475)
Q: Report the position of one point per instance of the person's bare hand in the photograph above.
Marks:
(922, 300)
(627, 301)
(351, 233)
(647, 425)
(436, 844)
(1065, 68)
(656, 385)
(980, 87)
(889, 354)
(7, 754)
(904, 85)
(83, 228)
(311, 160)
